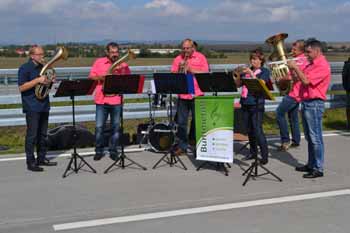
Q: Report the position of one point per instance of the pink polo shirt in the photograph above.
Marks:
(196, 61)
(318, 73)
(302, 62)
(100, 68)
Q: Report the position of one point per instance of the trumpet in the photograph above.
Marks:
(239, 70)
(183, 65)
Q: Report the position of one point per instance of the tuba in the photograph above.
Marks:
(127, 56)
(42, 90)
(278, 63)
(124, 58)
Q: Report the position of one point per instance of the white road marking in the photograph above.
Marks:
(206, 209)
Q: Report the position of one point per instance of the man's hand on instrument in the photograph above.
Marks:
(54, 78)
(292, 64)
(42, 79)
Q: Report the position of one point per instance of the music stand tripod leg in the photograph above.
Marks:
(75, 155)
(176, 157)
(122, 157)
(256, 163)
(269, 172)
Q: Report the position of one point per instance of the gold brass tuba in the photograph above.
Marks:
(278, 63)
(129, 55)
(42, 90)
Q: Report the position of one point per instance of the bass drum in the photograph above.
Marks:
(161, 137)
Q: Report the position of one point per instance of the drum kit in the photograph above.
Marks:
(158, 137)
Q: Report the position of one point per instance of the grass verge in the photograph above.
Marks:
(13, 137)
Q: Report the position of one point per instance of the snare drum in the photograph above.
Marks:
(161, 137)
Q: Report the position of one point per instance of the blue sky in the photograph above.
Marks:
(50, 21)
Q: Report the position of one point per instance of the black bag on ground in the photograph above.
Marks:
(346, 75)
(61, 137)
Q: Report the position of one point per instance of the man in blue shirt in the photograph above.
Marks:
(36, 111)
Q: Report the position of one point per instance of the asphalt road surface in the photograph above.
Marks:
(173, 200)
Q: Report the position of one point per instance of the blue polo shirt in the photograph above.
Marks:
(30, 103)
(251, 100)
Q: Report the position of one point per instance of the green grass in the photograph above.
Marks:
(13, 137)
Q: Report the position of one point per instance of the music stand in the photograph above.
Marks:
(216, 82)
(74, 88)
(257, 88)
(123, 84)
(172, 83)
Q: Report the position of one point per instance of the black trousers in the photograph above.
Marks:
(36, 136)
(253, 117)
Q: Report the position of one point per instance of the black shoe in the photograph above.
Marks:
(98, 156)
(249, 157)
(34, 168)
(294, 145)
(303, 169)
(313, 174)
(46, 163)
(263, 161)
(114, 156)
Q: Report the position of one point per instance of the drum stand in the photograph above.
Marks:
(169, 157)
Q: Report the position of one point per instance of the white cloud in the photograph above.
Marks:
(343, 8)
(263, 11)
(5, 4)
(87, 20)
(46, 6)
(286, 13)
(168, 7)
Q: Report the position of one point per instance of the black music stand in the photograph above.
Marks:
(172, 83)
(123, 84)
(258, 89)
(74, 88)
(216, 82)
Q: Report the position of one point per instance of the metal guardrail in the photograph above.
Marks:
(15, 117)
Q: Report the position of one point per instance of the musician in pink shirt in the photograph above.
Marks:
(315, 79)
(290, 103)
(189, 61)
(107, 104)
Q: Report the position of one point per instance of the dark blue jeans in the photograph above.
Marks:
(291, 107)
(184, 107)
(36, 136)
(312, 112)
(253, 117)
(102, 112)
